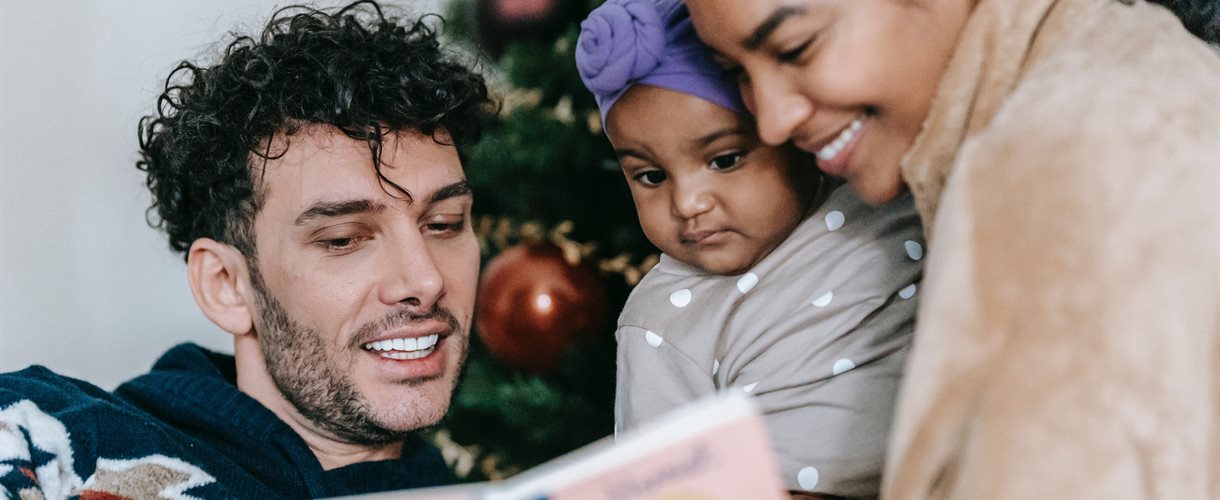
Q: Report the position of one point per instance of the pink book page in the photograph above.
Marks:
(733, 462)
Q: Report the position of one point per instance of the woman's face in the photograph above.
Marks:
(850, 81)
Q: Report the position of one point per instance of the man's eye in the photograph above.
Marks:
(726, 161)
(650, 178)
(442, 228)
(341, 244)
(446, 226)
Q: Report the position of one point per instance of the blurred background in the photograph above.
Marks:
(89, 290)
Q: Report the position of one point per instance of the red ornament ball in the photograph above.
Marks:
(533, 306)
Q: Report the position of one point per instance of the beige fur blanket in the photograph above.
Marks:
(1068, 343)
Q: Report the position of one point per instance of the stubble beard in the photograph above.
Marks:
(308, 376)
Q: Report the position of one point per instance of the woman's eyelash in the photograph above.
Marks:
(795, 53)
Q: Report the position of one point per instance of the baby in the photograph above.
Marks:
(774, 279)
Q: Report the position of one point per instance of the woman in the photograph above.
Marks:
(1064, 155)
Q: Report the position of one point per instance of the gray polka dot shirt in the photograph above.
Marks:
(817, 333)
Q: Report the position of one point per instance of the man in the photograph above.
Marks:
(312, 180)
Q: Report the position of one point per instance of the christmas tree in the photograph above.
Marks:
(562, 248)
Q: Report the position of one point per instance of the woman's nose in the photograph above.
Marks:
(777, 107)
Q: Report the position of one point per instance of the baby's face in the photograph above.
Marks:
(708, 192)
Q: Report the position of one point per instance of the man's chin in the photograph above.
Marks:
(411, 404)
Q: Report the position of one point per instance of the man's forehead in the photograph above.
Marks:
(327, 165)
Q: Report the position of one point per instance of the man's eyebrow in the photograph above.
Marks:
(769, 25)
(326, 209)
(459, 188)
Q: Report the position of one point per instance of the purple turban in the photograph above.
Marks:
(624, 42)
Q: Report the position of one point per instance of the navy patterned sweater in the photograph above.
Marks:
(181, 431)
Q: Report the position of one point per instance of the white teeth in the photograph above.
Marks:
(404, 348)
(406, 355)
(830, 151)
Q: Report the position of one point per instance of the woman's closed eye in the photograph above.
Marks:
(794, 54)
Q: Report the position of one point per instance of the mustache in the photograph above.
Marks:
(400, 318)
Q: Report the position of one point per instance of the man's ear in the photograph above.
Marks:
(220, 282)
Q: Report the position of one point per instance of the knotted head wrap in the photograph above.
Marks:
(625, 42)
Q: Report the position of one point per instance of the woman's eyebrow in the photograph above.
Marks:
(769, 25)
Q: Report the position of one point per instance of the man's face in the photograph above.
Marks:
(365, 299)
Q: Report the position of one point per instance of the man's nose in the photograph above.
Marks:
(692, 198)
(778, 108)
(411, 275)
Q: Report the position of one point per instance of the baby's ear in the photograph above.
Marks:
(220, 282)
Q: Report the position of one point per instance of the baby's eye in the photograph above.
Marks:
(651, 177)
(726, 161)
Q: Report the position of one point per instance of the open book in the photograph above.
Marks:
(717, 448)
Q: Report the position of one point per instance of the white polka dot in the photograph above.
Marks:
(842, 365)
(807, 478)
(715, 366)
(834, 220)
(653, 339)
(824, 300)
(747, 282)
(680, 298)
(750, 387)
(907, 292)
(914, 249)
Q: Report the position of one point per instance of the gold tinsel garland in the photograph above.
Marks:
(498, 233)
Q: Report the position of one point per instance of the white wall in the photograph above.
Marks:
(86, 287)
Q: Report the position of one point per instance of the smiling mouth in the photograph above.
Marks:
(829, 150)
(404, 348)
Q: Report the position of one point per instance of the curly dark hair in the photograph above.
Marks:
(367, 74)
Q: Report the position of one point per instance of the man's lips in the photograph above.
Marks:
(410, 341)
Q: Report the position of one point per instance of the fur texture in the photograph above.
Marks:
(1068, 343)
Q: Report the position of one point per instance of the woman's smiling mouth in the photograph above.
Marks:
(833, 153)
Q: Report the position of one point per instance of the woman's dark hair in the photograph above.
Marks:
(1201, 17)
(355, 69)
